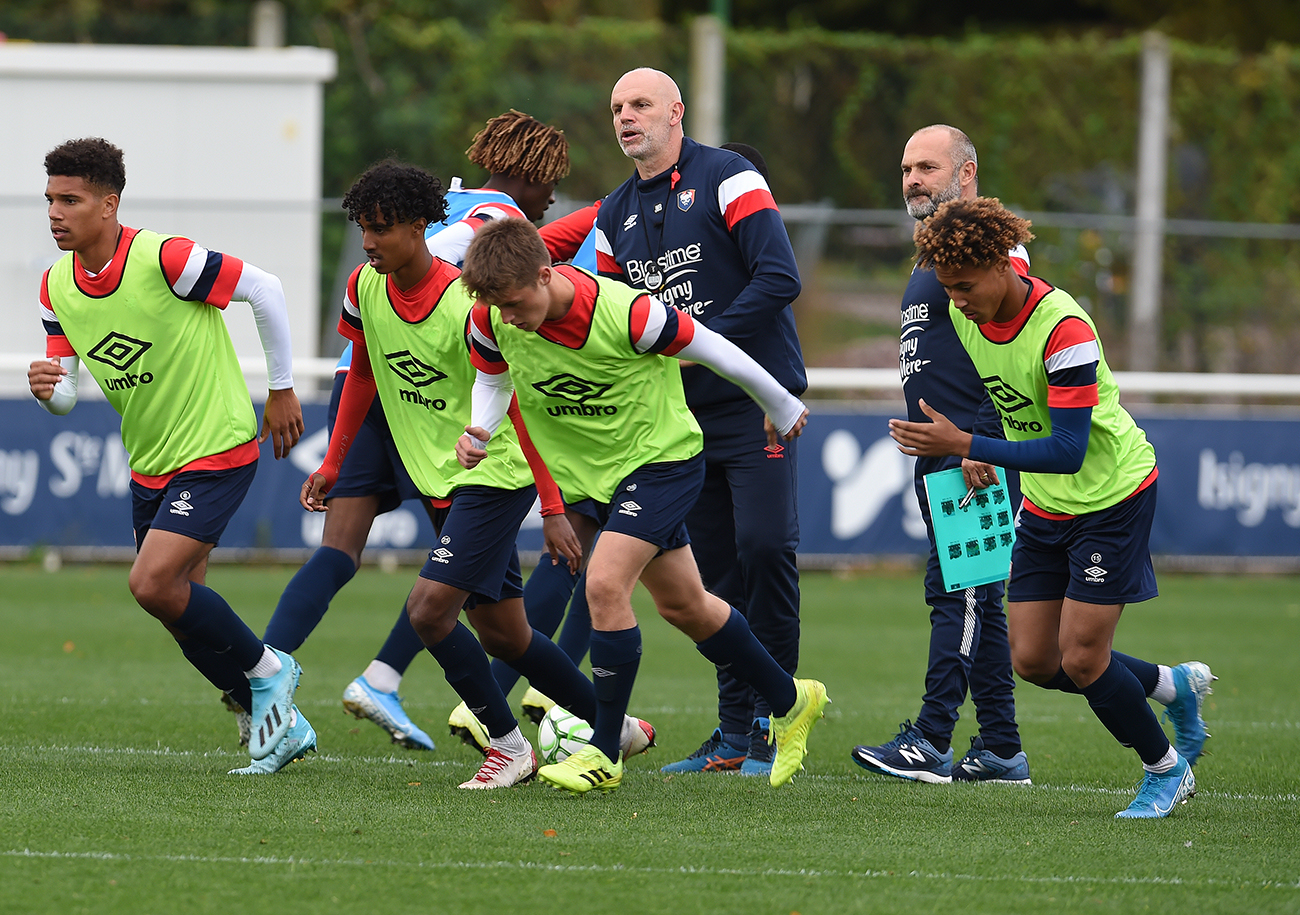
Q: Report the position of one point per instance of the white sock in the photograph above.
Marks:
(268, 665)
(1165, 691)
(1167, 762)
(513, 744)
(382, 677)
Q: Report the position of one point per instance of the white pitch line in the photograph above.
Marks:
(801, 873)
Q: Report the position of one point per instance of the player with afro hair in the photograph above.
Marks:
(396, 192)
(93, 159)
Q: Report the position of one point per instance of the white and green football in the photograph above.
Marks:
(560, 735)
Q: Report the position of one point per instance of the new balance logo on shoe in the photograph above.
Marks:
(912, 755)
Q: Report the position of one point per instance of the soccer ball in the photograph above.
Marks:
(560, 735)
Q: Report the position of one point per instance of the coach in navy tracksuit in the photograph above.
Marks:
(698, 227)
(968, 629)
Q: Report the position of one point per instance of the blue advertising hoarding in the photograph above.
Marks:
(1228, 487)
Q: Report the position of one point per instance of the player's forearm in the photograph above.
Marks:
(1061, 452)
(354, 403)
(490, 399)
(731, 362)
(64, 397)
(265, 294)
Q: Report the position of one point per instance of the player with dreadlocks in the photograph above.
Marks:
(524, 158)
(1088, 475)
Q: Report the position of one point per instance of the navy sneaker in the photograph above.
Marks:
(1158, 795)
(761, 750)
(981, 765)
(714, 755)
(909, 756)
(1192, 682)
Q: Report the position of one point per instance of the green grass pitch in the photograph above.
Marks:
(114, 797)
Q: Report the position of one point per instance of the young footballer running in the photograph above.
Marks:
(145, 313)
(406, 314)
(1088, 475)
(588, 360)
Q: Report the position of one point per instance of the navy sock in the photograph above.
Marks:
(466, 668)
(402, 645)
(1118, 702)
(615, 657)
(545, 596)
(209, 620)
(307, 597)
(1148, 674)
(939, 743)
(551, 672)
(734, 648)
(1062, 682)
(575, 637)
(220, 670)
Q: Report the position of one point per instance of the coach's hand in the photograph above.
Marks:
(313, 492)
(978, 475)
(933, 439)
(281, 421)
(774, 436)
(561, 541)
(470, 447)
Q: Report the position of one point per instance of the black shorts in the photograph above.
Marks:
(1098, 558)
(197, 503)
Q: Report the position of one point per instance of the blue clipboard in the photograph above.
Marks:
(974, 543)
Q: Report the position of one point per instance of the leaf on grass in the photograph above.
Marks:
(413, 784)
(550, 833)
(69, 647)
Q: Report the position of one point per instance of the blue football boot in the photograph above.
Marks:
(1192, 682)
(714, 755)
(272, 702)
(1158, 795)
(385, 710)
(297, 742)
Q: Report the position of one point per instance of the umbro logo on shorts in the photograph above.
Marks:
(1095, 574)
(629, 508)
(182, 505)
(441, 554)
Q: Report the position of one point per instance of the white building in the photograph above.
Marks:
(222, 145)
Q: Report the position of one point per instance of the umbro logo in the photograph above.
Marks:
(441, 554)
(774, 451)
(412, 370)
(571, 387)
(629, 508)
(119, 351)
(1095, 574)
(629, 222)
(1008, 399)
(182, 505)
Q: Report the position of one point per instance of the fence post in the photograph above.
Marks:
(1148, 248)
(708, 79)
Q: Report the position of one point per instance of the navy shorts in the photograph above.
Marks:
(652, 502)
(372, 466)
(197, 503)
(476, 544)
(1098, 558)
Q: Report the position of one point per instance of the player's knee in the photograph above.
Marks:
(432, 620)
(1033, 668)
(1083, 665)
(157, 594)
